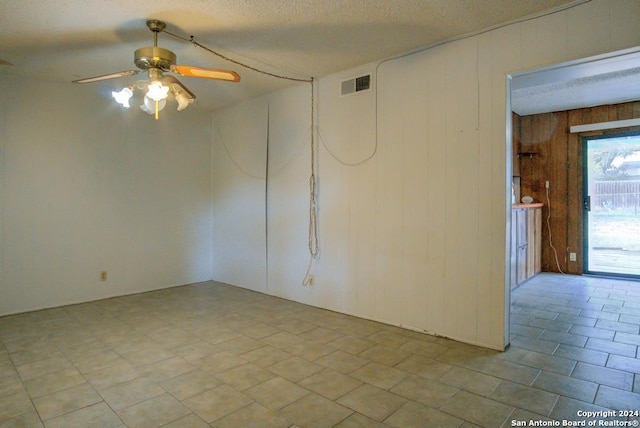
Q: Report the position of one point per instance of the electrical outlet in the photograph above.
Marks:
(546, 184)
(572, 257)
(103, 275)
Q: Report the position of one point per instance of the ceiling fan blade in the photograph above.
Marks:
(206, 73)
(107, 76)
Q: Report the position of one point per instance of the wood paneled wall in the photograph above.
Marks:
(544, 150)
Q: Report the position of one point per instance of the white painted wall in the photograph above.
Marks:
(86, 187)
(415, 236)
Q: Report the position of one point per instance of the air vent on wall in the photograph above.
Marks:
(362, 83)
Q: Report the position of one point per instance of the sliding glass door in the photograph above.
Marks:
(612, 205)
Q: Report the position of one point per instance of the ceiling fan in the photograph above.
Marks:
(157, 61)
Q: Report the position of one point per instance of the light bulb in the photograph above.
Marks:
(123, 97)
(149, 105)
(157, 91)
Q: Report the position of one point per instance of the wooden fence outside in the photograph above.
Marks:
(616, 195)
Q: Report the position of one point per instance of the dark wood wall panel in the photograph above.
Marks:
(548, 151)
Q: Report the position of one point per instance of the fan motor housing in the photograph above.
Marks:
(154, 57)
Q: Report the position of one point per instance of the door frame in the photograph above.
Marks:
(540, 75)
(584, 140)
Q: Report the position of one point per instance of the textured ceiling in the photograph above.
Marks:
(608, 79)
(69, 39)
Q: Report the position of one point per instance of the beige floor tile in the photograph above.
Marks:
(10, 383)
(190, 384)
(217, 402)
(240, 345)
(219, 362)
(96, 361)
(611, 397)
(259, 330)
(309, 350)
(426, 391)
(166, 369)
(568, 408)
(45, 385)
(352, 344)
(424, 348)
(147, 354)
(394, 338)
(341, 361)
(569, 387)
(195, 350)
(379, 375)
(186, 336)
(131, 392)
(120, 372)
(373, 402)
(43, 367)
(525, 397)
(420, 416)
(604, 376)
(30, 420)
(470, 380)
(66, 401)
(356, 420)
(172, 337)
(156, 411)
(321, 335)
(424, 367)
(266, 356)
(245, 376)
(15, 404)
(276, 393)
(315, 411)
(45, 352)
(330, 384)
(477, 409)
(217, 335)
(252, 416)
(507, 370)
(283, 340)
(295, 326)
(384, 355)
(190, 421)
(295, 368)
(96, 415)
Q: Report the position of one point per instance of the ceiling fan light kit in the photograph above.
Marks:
(157, 61)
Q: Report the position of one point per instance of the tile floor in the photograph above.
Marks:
(214, 355)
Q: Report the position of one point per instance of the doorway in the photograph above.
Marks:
(611, 232)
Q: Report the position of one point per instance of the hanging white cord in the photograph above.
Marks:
(313, 208)
(313, 220)
(549, 228)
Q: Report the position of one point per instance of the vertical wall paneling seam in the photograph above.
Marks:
(266, 202)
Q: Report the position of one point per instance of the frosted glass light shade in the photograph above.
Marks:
(123, 97)
(157, 91)
(183, 101)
